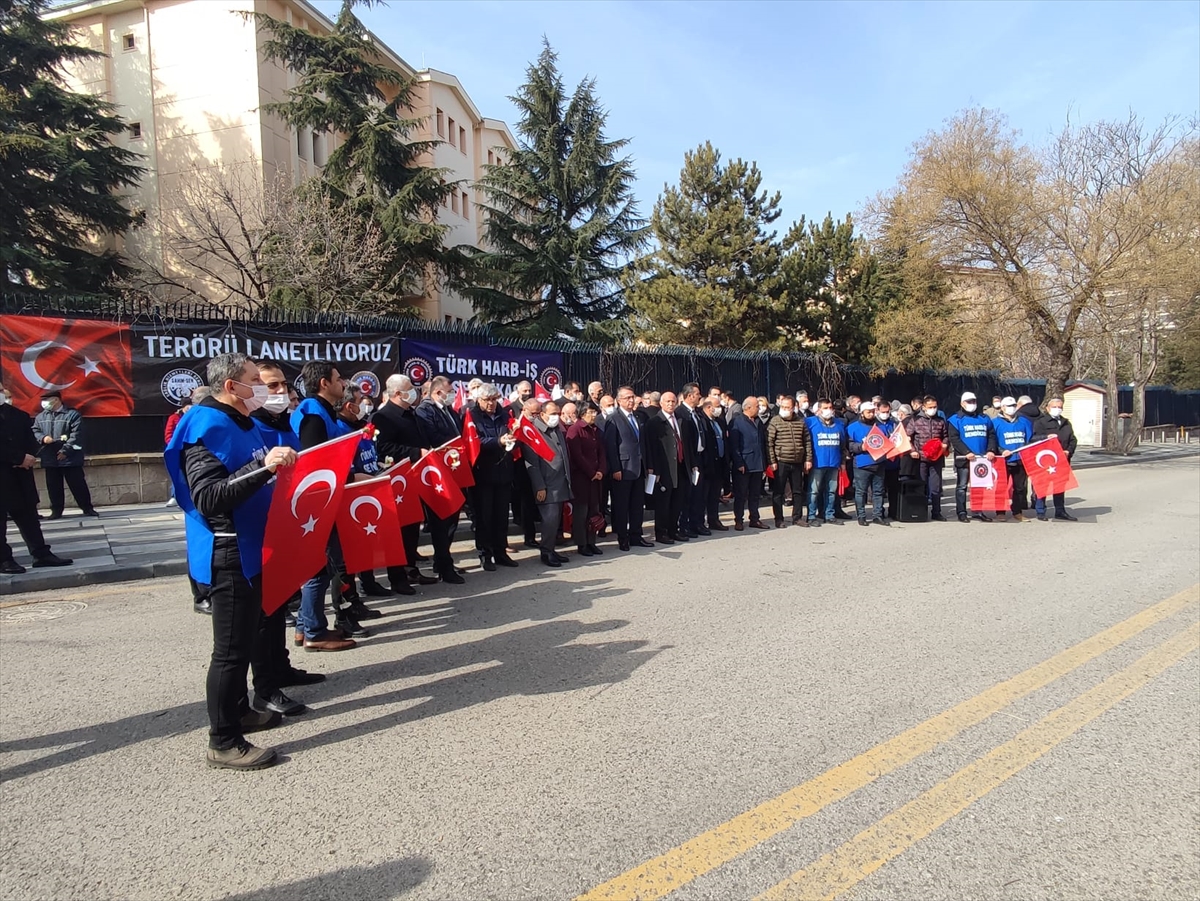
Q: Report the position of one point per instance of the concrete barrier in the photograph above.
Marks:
(118, 479)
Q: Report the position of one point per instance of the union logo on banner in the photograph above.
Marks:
(418, 370)
(551, 377)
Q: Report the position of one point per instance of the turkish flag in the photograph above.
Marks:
(989, 485)
(369, 527)
(471, 436)
(303, 510)
(900, 442)
(406, 498)
(843, 480)
(437, 486)
(528, 434)
(876, 443)
(454, 455)
(87, 361)
(1048, 467)
(540, 393)
(460, 397)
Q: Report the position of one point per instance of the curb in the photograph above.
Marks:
(1099, 460)
(51, 579)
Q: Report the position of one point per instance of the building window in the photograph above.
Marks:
(452, 132)
(454, 201)
(301, 144)
(441, 124)
(466, 205)
(491, 158)
(128, 42)
(318, 147)
(445, 200)
(449, 319)
(462, 139)
(135, 131)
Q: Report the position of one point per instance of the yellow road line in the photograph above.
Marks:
(694, 858)
(843, 868)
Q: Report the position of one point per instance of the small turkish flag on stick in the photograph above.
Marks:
(876, 443)
(529, 435)
(437, 486)
(1048, 467)
(471, 436)
(405, 495)
(369, 528)
(454, 455)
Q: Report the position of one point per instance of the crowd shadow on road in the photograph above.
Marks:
(384, 881)
(1087, 514)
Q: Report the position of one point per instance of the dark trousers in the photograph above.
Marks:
(695, 504)
(788, 475)
(491, 518)
(931, 475)
(26, 518)
(75, 480)
(962, 485)
(1060, 504)
(668, 500)
(586, 505)
(747, 492)
(271, 660)
(551, 519)
(713, 486)
(628, 507)
(236, 612)
(1020, 487)
(891, 488)
(523, 504)
(868, 478)
(441, 533)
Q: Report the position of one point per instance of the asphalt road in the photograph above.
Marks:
(935, 711)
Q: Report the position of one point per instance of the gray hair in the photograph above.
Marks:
(351, 394)
(198, 394)
(1023, 400)
(225, 368)
(486, 390)
(397, 383)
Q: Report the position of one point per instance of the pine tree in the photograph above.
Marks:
(833, 288)
(343, 90)
(714, 279)
(561, 217)
(60, 173)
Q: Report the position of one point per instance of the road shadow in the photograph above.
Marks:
(384, 881)
(1086, 514)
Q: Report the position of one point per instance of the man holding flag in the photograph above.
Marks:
(1052, 475)
(220, 465)
(971, 437)
(438, 425)
(489, 443)
(869, 444)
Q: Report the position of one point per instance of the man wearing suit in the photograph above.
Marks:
(714, 461)
(695, 433)
(551, 479)
(665, 460)
(748, 440)
(440, 424)
(625, 446)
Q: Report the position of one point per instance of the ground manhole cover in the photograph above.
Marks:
(37, 613)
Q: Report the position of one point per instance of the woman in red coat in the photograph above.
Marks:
(585, 449)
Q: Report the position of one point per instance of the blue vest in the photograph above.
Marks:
(973, 429)
(828, 438)
(1012, 435)
(366, 459)
(858, 431)
(234, 447)
(310, 406)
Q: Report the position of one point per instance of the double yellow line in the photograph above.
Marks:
(847, 865)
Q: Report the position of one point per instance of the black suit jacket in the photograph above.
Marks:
(663, 449)
(399, 433)
(16, 440)
(690, 424)
(626, 451)
(715, 459)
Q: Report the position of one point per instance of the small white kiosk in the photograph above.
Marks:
(1083, 405)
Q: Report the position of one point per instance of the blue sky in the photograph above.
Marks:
(827, 98)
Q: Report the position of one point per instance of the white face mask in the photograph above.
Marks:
(883, 416)
(607, 411)
(552, 420)
(1055, 412)
(365, 410)
(786, 414)
(1009, 410)
(827, 415)
(276, 403)
(3, 399)
(413, 395)
(47, 405)
(804, 406)
(257, 398)
(971, 408)
(931, 413)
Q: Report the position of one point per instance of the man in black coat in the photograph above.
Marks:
(666, 464)
(625, 444)
(714, 461)
(695, 435)
(18, 491)
(1052, 422)
(440, 424)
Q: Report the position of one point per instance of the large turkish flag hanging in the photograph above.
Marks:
(86, 360)
(1048, 467)
(368, 527)
(303, 509)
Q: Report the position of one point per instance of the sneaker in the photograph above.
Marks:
(862, 522)
(1042, 517)
(278, 703)
(242, 757)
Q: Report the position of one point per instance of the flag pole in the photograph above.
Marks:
(255, 472)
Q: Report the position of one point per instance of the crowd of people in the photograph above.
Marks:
(612, 455)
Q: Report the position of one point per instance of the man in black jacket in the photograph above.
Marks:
(715, 460)
(666, 463)
(625, 444)
(59, 434)
(694, 434)
(18, 491)
(1052, 422)
(399, 438)
(440, 424)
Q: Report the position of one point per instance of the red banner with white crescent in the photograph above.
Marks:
(437, 486)
(1048, 467)
(529, 435)
(369, 528)
(989, 485)
(404, 494)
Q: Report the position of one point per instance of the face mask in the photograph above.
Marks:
(804, 406)
(257, 398)
(607, 411)
(1055, 412)
(552, 420)
(931, 413)
(364, 410)
(276, 403)
(970, 408)
(47, 405)
(1009, 411)
(785, 414)
(827, 414)
(412, 396)
(3, 399)
(884, 416)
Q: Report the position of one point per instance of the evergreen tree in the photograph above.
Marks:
(561, 217)
(60, 173)
(715, 278)
(833, 287)
(343, 90)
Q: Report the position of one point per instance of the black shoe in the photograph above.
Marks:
(259, 720)
(561, 558)
(505, 560)
(416, 577)
(451, 577)
(375, 590)
(862, 522)
(350, 628)
(53, 516)
(802, 523)
(405, 589)
(1042, 517)
(549, 561)
(719, 527)
(204, 605)
(641, 542)
(680, 536)
(52, 560)
(623, 544)
(585, 551)
(531, 543)
(11, 567)
(880, 521)
(813, 523)
(779, 523)
(690, 533)
(289, 620)
(300, 677)
(704, 532)
(1067, 516)
(489, 565)
(91, 513)
(460, 570)
(962, 517)
(420, 558)
(937, 517)
(278, 703)
(983, 517)
(841, 514)
(360, 611)
(596, 552)
(663, 539)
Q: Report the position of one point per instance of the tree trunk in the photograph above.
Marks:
(1059, 370)
(1112, 410)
